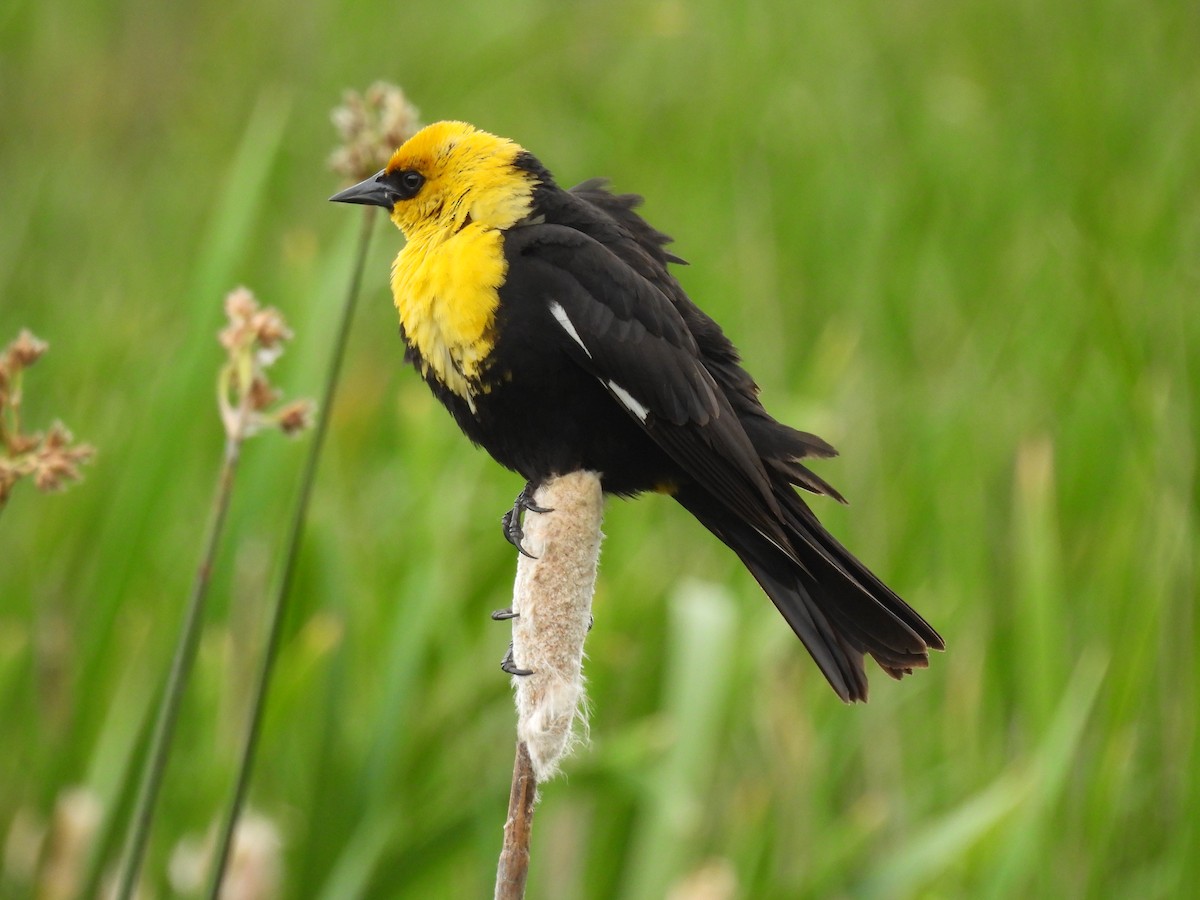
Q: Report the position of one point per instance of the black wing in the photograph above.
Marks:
(623, 329)
(612, 219)
(622, 317)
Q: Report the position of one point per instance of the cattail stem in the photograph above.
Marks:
(552, 602)
(279, 603)
(513, 870)
(181, 667)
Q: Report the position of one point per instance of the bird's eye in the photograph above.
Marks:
(409, 182)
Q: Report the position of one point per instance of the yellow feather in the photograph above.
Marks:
(446, 280)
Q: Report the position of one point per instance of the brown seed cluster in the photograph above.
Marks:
(371, 125)
(50, 458)
(254, 338)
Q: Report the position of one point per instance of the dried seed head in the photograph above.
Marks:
(296, 417)
(269, 327)
(240, 304)
(240, 307)
(253, 338)
(57, 438)
(371, 125)
(261, 394)
(56, 461)
(22, 443)
(23, 352)
(49, 458)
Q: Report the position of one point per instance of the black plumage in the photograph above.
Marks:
(600, 361)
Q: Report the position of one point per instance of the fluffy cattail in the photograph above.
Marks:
(552, 600)
(552, 613)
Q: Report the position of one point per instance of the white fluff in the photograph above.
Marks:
(552, 597)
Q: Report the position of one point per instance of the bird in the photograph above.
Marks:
(548, 323)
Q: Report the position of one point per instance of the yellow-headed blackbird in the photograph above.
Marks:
(547, 322)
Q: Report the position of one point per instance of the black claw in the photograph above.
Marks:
(509, 665)
(512, 520)
(513, 532)
(502, 615)
(591, 622)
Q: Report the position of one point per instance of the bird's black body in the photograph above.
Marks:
(600, 361)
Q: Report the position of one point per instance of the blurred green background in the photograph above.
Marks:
(960, 241)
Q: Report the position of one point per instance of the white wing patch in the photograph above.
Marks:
(561, 315)
(628, 401)
(623, 396)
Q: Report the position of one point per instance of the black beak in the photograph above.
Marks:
(372, 192)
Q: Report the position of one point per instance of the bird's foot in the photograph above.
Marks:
(503, 615)
(513, 520)
(509, 665)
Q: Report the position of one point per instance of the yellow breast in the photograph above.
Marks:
(446, 292)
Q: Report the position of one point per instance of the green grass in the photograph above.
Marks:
(961, 241)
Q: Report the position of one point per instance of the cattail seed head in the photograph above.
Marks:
(552, 598)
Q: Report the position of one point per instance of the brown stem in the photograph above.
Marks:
(513, 869)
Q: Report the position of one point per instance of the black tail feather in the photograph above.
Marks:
(835, 605)
(895, 626)
(803, 477)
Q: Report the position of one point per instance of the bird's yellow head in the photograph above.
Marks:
(446, 176)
